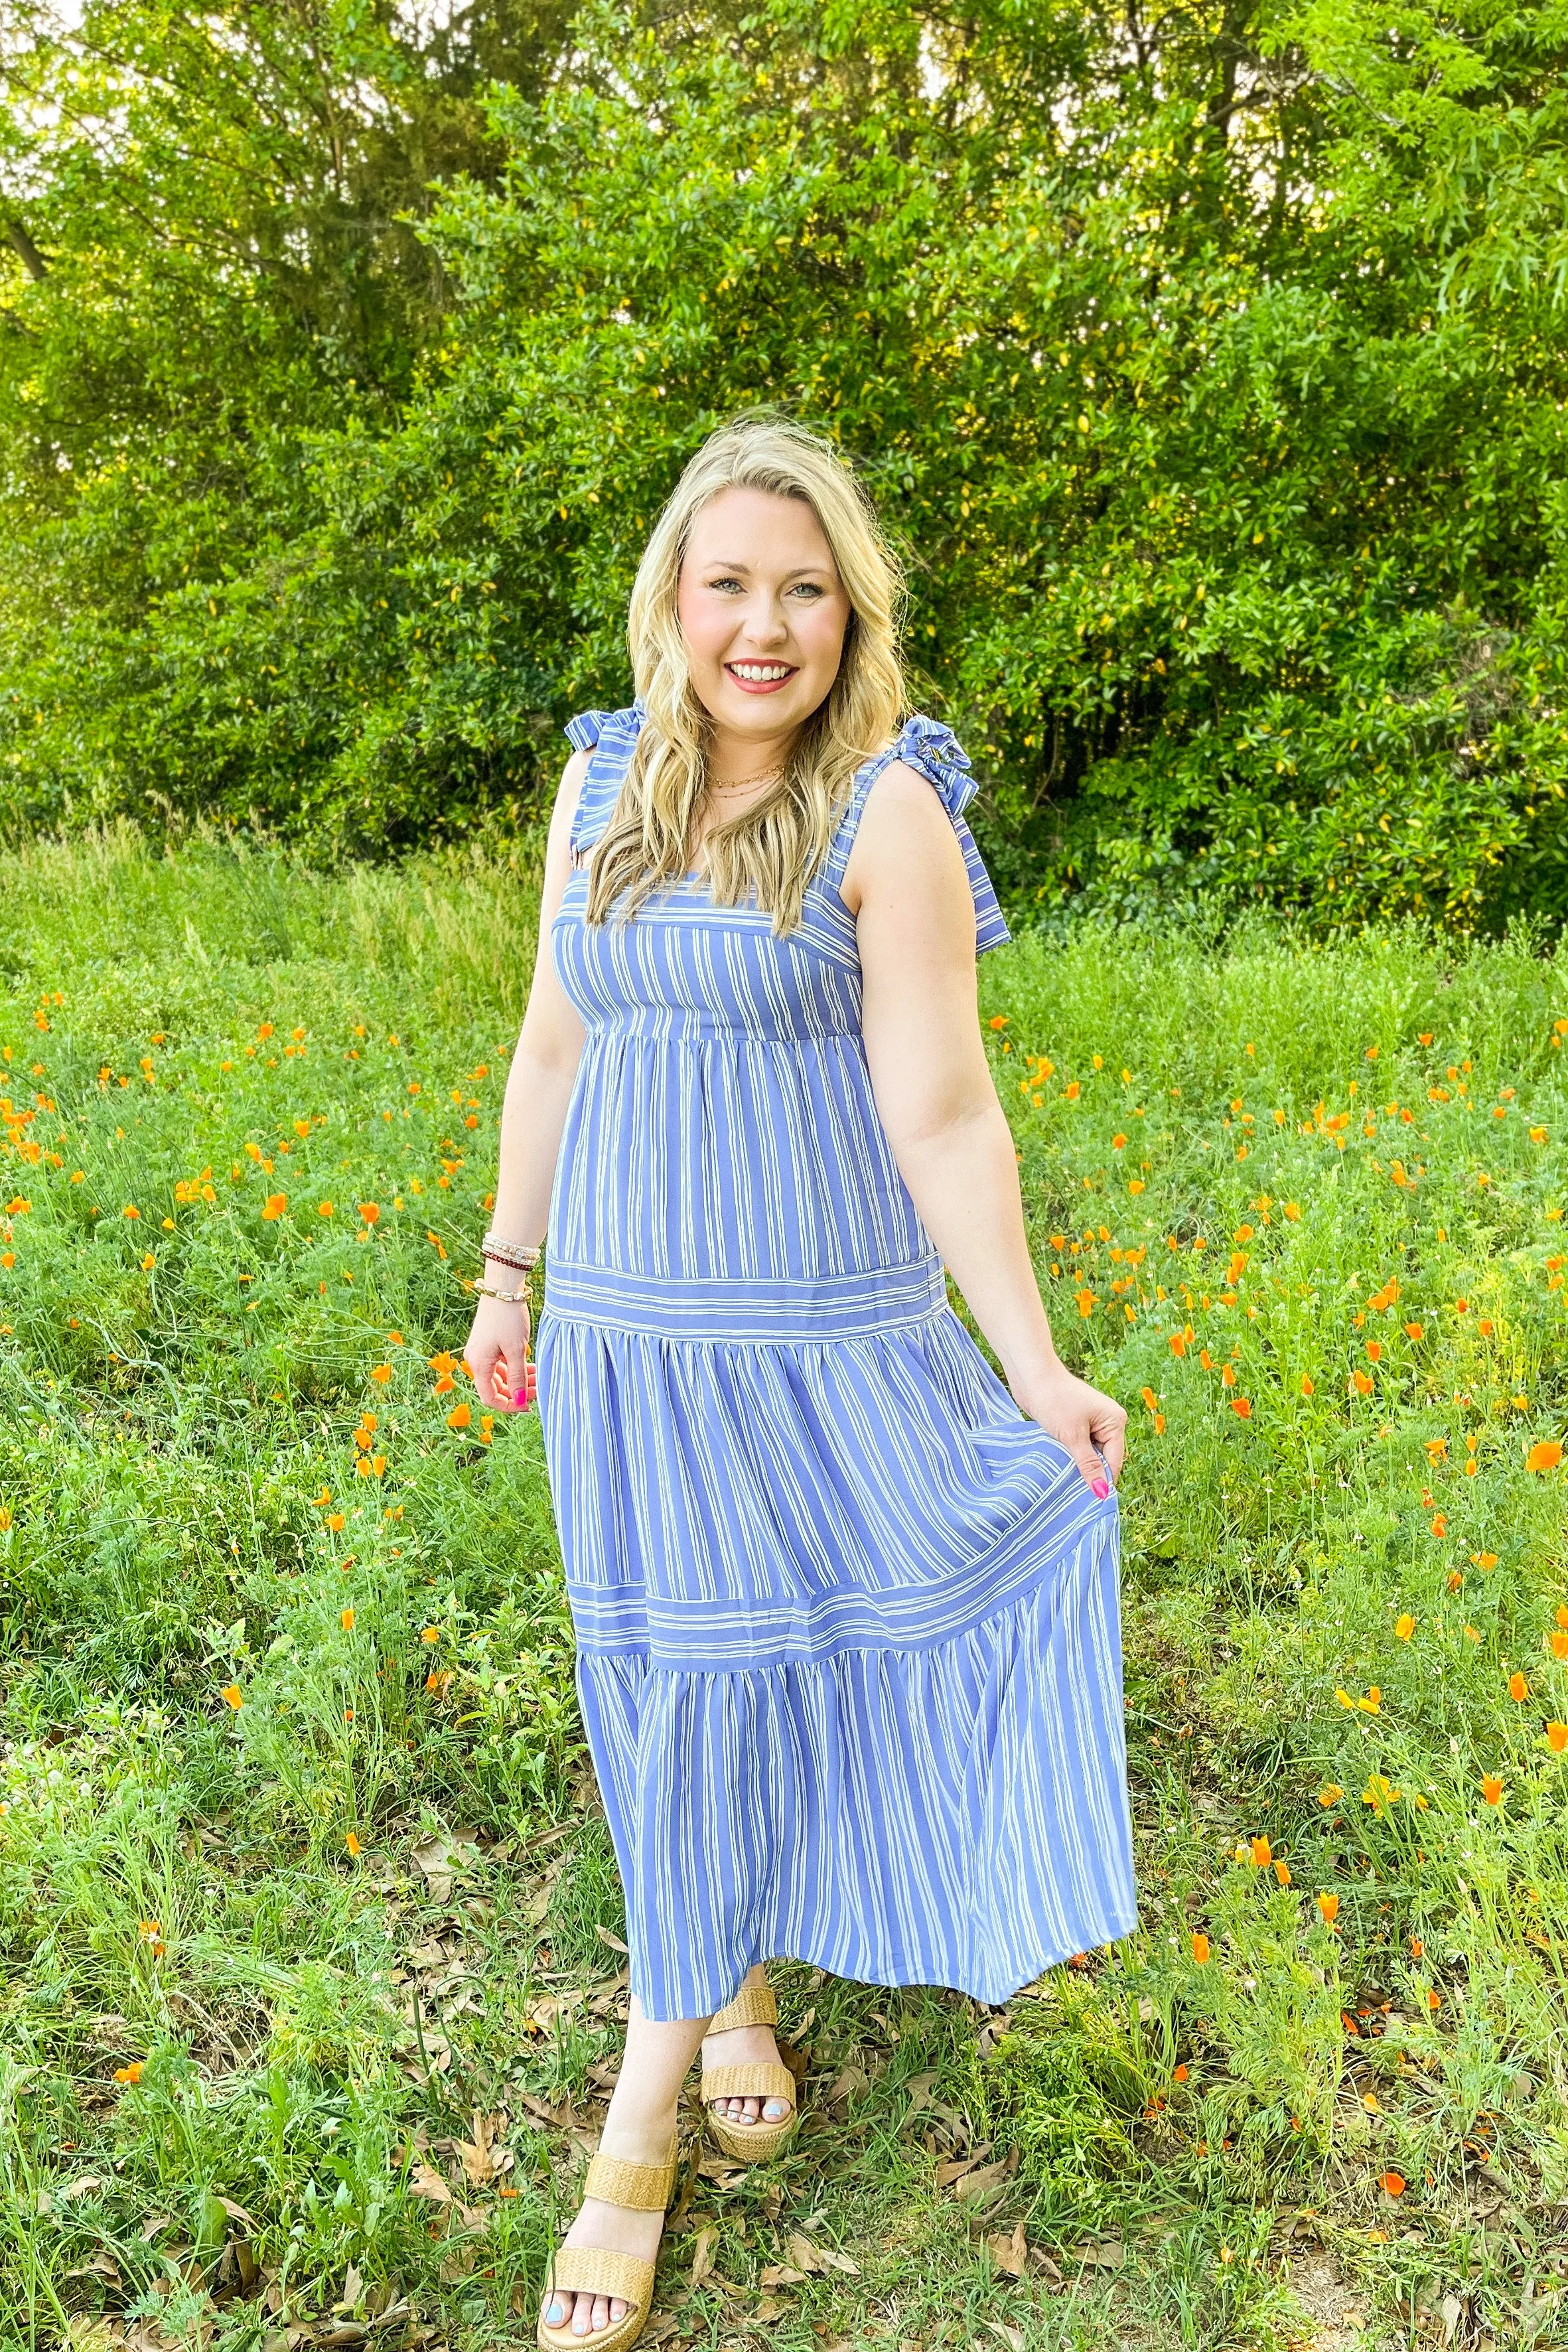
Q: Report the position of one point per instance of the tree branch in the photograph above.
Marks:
(27, 252)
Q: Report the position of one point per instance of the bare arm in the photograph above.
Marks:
(907, 888)
(533, 1116)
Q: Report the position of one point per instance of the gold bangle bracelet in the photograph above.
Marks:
(507, 1297)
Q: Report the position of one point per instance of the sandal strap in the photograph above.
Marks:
(757, 2080)
(596, 2270)
(639, 2188)
(752, 2005)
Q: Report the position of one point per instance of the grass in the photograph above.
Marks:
(312, 2000)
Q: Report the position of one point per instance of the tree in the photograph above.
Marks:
(1207, 370)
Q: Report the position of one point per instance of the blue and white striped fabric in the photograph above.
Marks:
(847, 1622)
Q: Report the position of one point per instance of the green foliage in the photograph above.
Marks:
(1211, 375)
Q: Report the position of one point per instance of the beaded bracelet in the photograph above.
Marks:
(507, 1297)
(519, 1256)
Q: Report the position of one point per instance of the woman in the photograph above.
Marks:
(846, 1610)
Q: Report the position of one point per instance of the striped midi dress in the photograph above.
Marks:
(848, 1644)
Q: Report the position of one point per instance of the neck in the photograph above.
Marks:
(731, 758)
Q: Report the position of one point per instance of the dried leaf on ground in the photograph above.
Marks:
(812, 2257)
(1105, 2253)
(702, 2252)
(1010, 2254)
(483, 2157)
(426, 2181)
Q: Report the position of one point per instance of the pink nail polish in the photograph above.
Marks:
(1099, 1489)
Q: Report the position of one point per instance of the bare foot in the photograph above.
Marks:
(744, 2046)
(581, 2314)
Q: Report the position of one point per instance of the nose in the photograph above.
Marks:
(763, 623)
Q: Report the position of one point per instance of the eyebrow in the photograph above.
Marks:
(731, 563)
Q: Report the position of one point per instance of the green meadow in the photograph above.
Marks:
(313, 1963)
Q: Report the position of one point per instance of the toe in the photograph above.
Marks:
(554, 2311)
(775, 2110)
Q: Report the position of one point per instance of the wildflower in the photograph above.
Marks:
(323, 1498)
(1375, 1350)
(1484, 1560)
(460, 1415)
(1559, 1644)
(1518, 1689)
(1404, 1626)
(1179, 2074)
(1136, 1184)
(1379, 1793)
(1372, 1702)
(335, 1521)
(1201, 1949)
(1545, 1454)
(148, 1263)
(1282, 1872)
(430, 1634)
(1291, 1209)
(231, 1696)
(999, 1019)
(1263, 1853)
(1346, 1699)
(1393, 2182)
(1413, 1330)
(486, 1427)
(1361, 1383)
(1416, 1948)
(1328, 1906)
(1537, 1135)
(1071, 1093)
(1306, 1385)
(1434, 2001)
(1241, 1407)
(324, 1208)
(1439, 1527)
(369, 1212)
(1330, 1794)
(1491, 1788)
(131, 2074)
(440, 1681)
(1178, 1343)
(1150, 1398)
(274, 1207)
(265, 1030)
(1118, 1143)
(346, 1620)
(352, 1842)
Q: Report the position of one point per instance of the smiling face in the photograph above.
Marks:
(763, 613)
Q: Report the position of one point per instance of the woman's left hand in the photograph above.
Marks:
(1078, 1417)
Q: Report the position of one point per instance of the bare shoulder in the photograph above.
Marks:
(905, 838)
(568, 793)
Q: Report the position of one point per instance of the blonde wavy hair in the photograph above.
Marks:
(775, 846)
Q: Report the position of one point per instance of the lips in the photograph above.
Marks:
(761, 678)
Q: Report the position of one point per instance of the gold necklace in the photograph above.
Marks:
(741, 783)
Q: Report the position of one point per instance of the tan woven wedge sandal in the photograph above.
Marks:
(591, 2270)
(750, 2143)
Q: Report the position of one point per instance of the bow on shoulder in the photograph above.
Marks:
(925, 743)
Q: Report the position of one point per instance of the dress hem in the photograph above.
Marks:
(901, 1973)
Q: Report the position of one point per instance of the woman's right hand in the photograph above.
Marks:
(497, 1356)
